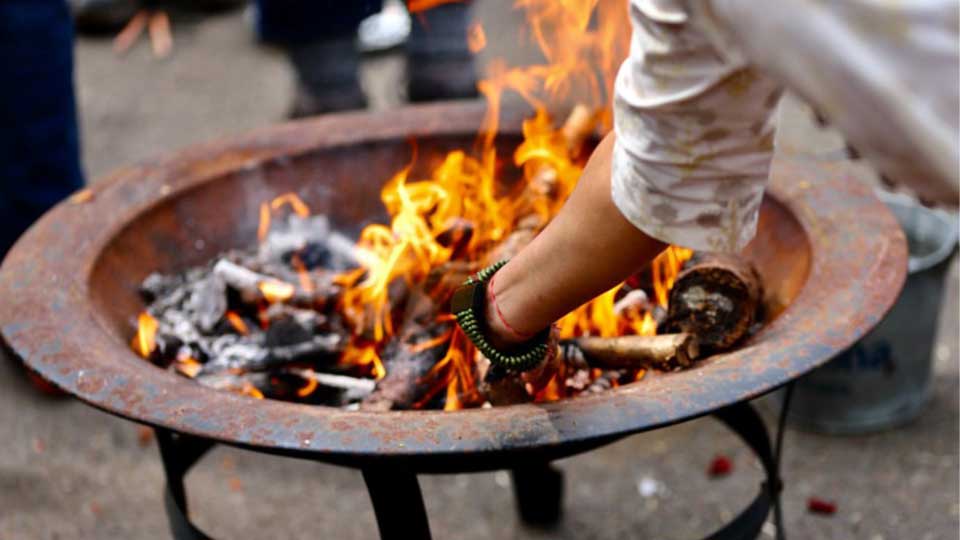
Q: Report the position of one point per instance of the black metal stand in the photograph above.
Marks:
(538, 491)
(398, 502)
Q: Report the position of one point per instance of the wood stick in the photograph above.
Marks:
(406, 368)
(716, 298)
(247, 357)
(342, 382)
(580, 124)
(667, 351)
(249, 283)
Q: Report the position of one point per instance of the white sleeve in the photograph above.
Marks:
(694, 127)
(885, 73)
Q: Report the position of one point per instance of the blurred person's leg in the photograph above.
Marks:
(39, 143)
(320, 38)
(440, 64)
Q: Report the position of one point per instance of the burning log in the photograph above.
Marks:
(254, 357)
(252, 384)
(254, 286)
(666, 351)
(579, 125)
(408, 364)
(354, 388)
(608, 379)
(715, 298)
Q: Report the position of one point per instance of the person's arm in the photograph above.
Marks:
(694, 140)
(588, 248)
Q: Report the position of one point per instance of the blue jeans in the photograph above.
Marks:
(39, 143)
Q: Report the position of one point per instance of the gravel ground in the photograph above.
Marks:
(70, 472)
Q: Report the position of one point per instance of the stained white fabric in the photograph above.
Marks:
(695, 102)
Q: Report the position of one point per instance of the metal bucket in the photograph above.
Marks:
(884, 379)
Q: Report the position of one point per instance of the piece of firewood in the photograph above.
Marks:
(254, 286)
(407, 367)
(667, 351)
(247, 357)
(715, 298)
(580, 124)
(501, 387)
(354, 388)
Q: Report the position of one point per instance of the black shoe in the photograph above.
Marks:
(307, 103)
(102, 16)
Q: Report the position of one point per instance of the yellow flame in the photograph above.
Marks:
(276, 291)
(665, 269)
(145, 342)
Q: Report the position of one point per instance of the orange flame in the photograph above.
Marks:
(248, 389)
(364, 356)
(306, 283)
(295, 202)
(145, 342)
(310, 387)
(237, 322)
(417, 6)
(188, 366)
(665, 269)
(264, 225)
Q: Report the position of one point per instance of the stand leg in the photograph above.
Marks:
(179, 453)
(539, 494)
(743, 420)
(398, 504)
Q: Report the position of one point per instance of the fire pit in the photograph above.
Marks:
(831, 256)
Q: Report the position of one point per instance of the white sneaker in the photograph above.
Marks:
(384, 30)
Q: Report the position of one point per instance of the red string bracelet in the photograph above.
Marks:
(492, 300)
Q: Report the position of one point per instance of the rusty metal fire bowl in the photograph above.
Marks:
(832, 258)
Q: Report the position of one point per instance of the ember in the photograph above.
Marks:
(311, 315)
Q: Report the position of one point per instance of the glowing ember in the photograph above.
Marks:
(250, 390)
(145, 342)
(276, 291)
(188, 366)
(236, 321)
(309, 388)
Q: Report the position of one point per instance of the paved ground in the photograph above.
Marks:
(70, 472)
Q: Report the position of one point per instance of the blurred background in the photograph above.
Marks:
(70, 472)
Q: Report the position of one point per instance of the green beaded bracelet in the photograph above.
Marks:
(469, 305)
